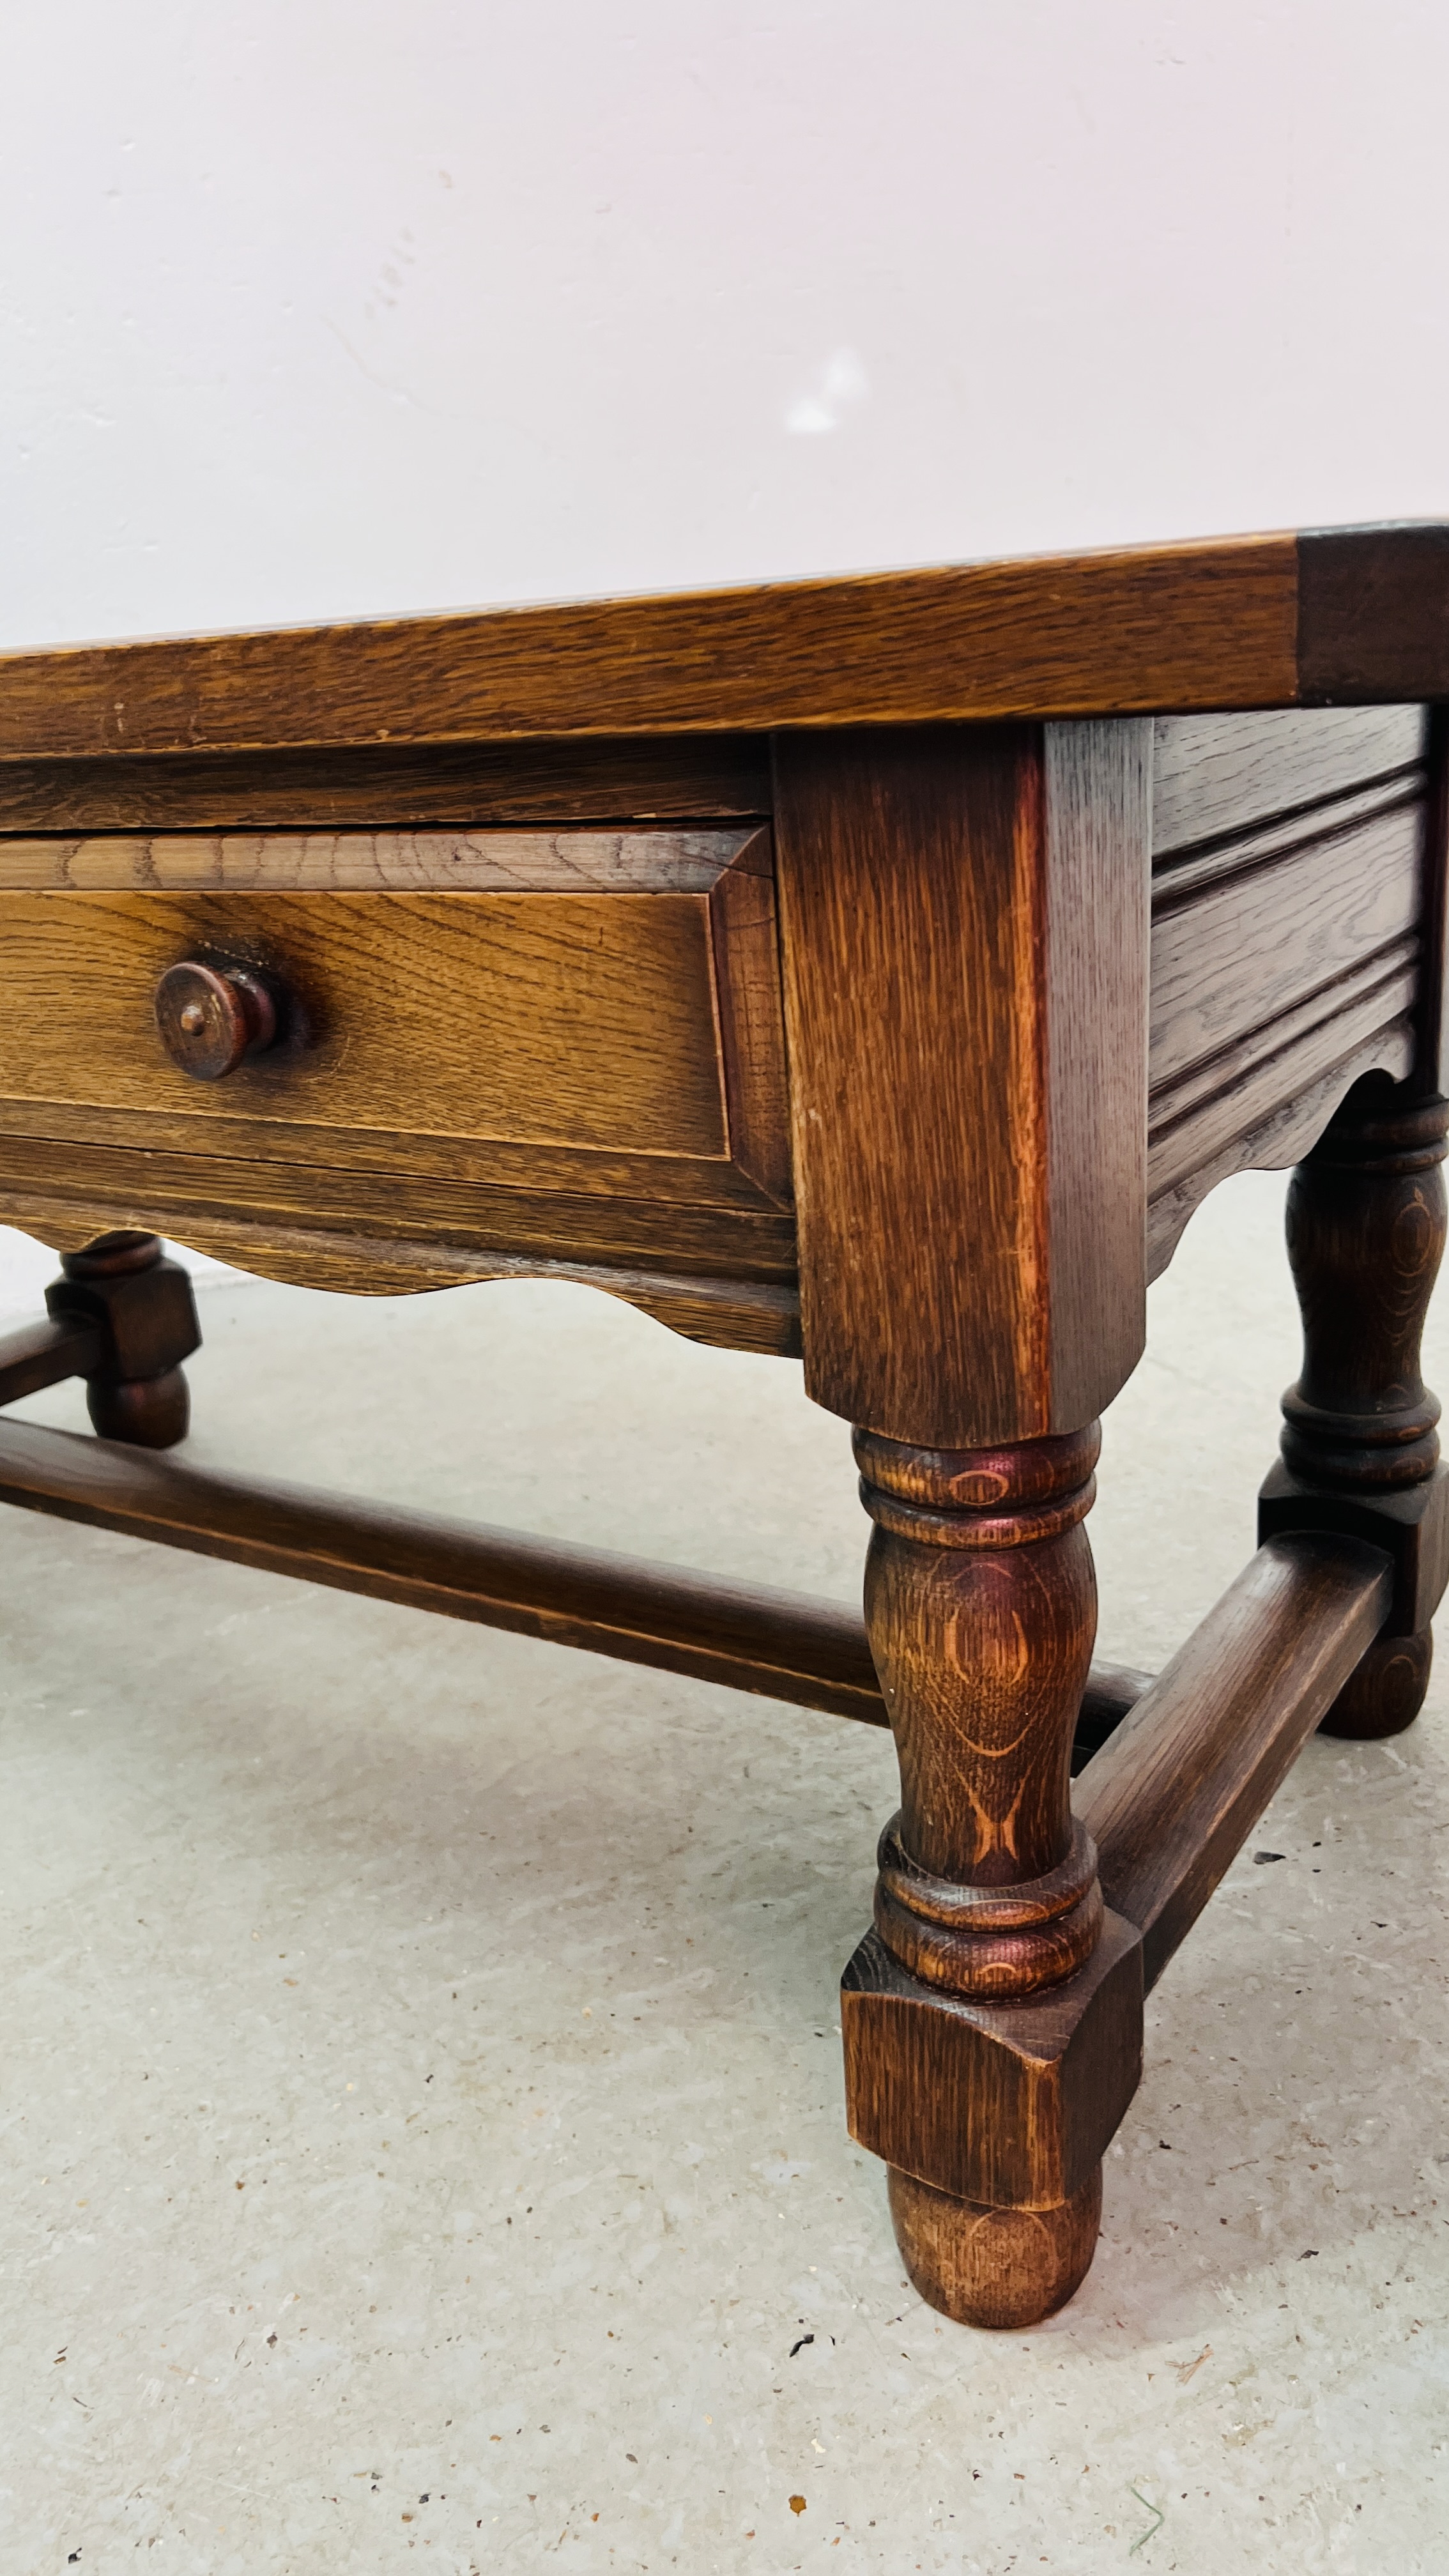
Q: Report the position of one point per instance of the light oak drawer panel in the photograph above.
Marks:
(579, 1019)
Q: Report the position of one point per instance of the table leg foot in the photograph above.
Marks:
(1384, 1693)
(150, 1412)
(994, 2267)
(124, 1283)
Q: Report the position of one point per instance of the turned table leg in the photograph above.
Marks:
(145, 1304)
(1366, 1232)
(985, 2012)
(964, 947)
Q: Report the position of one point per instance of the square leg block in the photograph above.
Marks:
(1007, 2104)
(1409, 1522)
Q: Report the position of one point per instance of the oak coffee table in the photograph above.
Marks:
(878, 971)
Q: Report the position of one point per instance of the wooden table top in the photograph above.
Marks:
(1322, 618)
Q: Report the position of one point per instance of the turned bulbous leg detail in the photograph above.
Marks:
(990, 2042)
(1360, 1446)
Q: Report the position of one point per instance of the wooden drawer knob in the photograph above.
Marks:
(210, 1018)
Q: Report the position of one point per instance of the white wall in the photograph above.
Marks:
(346, 306)
(356, 305)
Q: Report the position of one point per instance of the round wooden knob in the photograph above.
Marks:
(211, 1018)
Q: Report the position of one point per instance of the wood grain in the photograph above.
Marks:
(990, 2267)
(1180, 874)
(1232, 956)
(489, 1163)
(1346, 615)
(1239, 1079)
(964, 928)
(1010, 2105)
(1096, 1027)
(430, 1041)
(1213, 775)
(748, 1242)
(1288, 953)
(745, 941)
(812, 1653)
(1373, 613)
(1278, 1110)
(570, 1019)
(1432, 1054)
(1177, 1788)
(981, 1606)
(443, 1016)
(48, 1352)
(785, 1645)
(456, 862)
(372, 785)
(1195, 626)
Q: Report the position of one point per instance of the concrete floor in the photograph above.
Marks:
(458, 2016)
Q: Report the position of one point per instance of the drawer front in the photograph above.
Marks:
(583, 1020)
(495, 1051)
(601, 994)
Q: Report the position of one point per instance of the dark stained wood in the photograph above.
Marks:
(1373, 614)
(1251, 1126)
(1180, 1784)
(1366, 1234)
(1112, 1689)
(1093, 1009)
(140, 1306)
(375, 784)
(509, 879)
(1163, 627)
(1179, 877)
(745, 936)
(1010, 2105)
(746, 1637)
(1221, 775)
(785, 1645)
(363, 1254)
(1432, 1031)
(1267, 1068)
(968, 1145)
(994, 2267)
(315, 862)
(46, 1353)
(980, 1605)
(210, 1020)
(1232, 957)
(1366, 1231)
(1251, 622)
(1288, 955)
